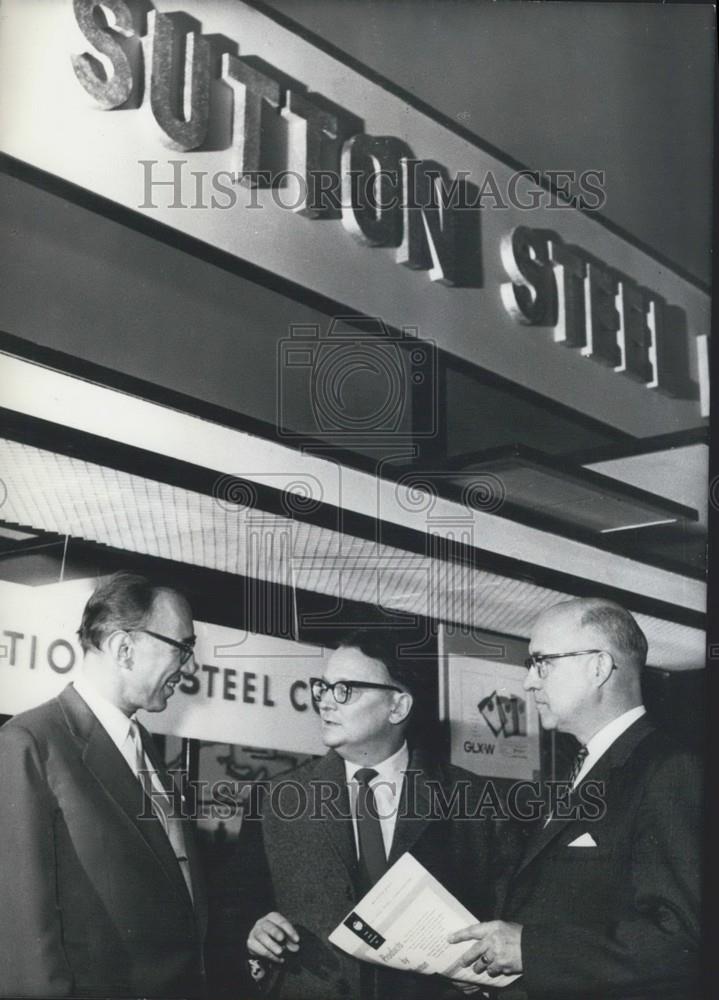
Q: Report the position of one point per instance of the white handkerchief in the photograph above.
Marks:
(586, 840)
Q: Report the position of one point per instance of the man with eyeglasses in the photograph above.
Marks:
(99, 876)
(602, 905)
(372, 797)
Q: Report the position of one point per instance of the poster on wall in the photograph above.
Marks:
(493, 723)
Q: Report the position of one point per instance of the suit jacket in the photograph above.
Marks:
(620, 919)
(306, 869)
(93, 899)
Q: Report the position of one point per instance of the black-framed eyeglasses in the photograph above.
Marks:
(342, 690)
(542, 661)
(187, 649)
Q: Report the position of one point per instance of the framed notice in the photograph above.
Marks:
(493, 722)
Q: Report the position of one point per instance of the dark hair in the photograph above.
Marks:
(379, 644)
(619, 627)
(122, 601)
(415, 674)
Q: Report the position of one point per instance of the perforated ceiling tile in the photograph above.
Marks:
(68, 496)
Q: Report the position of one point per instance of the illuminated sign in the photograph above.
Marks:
(236, 132)
(385, 196)
(596, 310)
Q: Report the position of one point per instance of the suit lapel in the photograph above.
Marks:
(615, 756)
(415, 803)
(337, 828)
(109, 768)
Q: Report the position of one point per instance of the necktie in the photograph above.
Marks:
(579, 759)
(372, 859)
(161, 802)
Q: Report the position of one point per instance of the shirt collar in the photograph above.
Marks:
(111, 718)
(607, 735)
(390, 770)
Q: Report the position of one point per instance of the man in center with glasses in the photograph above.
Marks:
(369, 799)
(99, 876)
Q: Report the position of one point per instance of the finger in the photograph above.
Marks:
(483, 963)
(269, 944)
(475, 932)
(272, 931)
(472, 954)
(258, 949)
(284, 925)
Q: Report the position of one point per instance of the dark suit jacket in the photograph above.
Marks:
(93, 899)
(620, 919)
(308, 872)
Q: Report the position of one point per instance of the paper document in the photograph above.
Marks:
(403, 922)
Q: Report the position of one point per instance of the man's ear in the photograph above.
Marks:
(119, 645)
(402, 707)
(604, 667)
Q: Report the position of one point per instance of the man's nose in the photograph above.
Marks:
(532, 680)
(327, 699)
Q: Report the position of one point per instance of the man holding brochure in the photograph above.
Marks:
(369, 800)
(609, 906)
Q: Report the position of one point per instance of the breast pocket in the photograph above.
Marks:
(587, 879)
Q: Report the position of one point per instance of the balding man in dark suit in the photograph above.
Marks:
(603, 906)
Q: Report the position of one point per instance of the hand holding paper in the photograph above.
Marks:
(405, 921)
(498, 948)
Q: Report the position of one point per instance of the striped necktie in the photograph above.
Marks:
(162, 804)
(579, 758)
(577, 763)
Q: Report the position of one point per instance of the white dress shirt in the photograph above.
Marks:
(117, 726)
(387, 790)
(598, 745)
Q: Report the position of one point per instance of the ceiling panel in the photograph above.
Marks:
(69, 496)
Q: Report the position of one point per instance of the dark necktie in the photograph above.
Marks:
(579, 759)
(372, 859)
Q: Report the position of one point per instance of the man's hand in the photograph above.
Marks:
(270, 936)
(498, 948)
(469, 989)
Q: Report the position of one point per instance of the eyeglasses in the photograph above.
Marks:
(342, 690)
(187, 649)
(542, 661)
